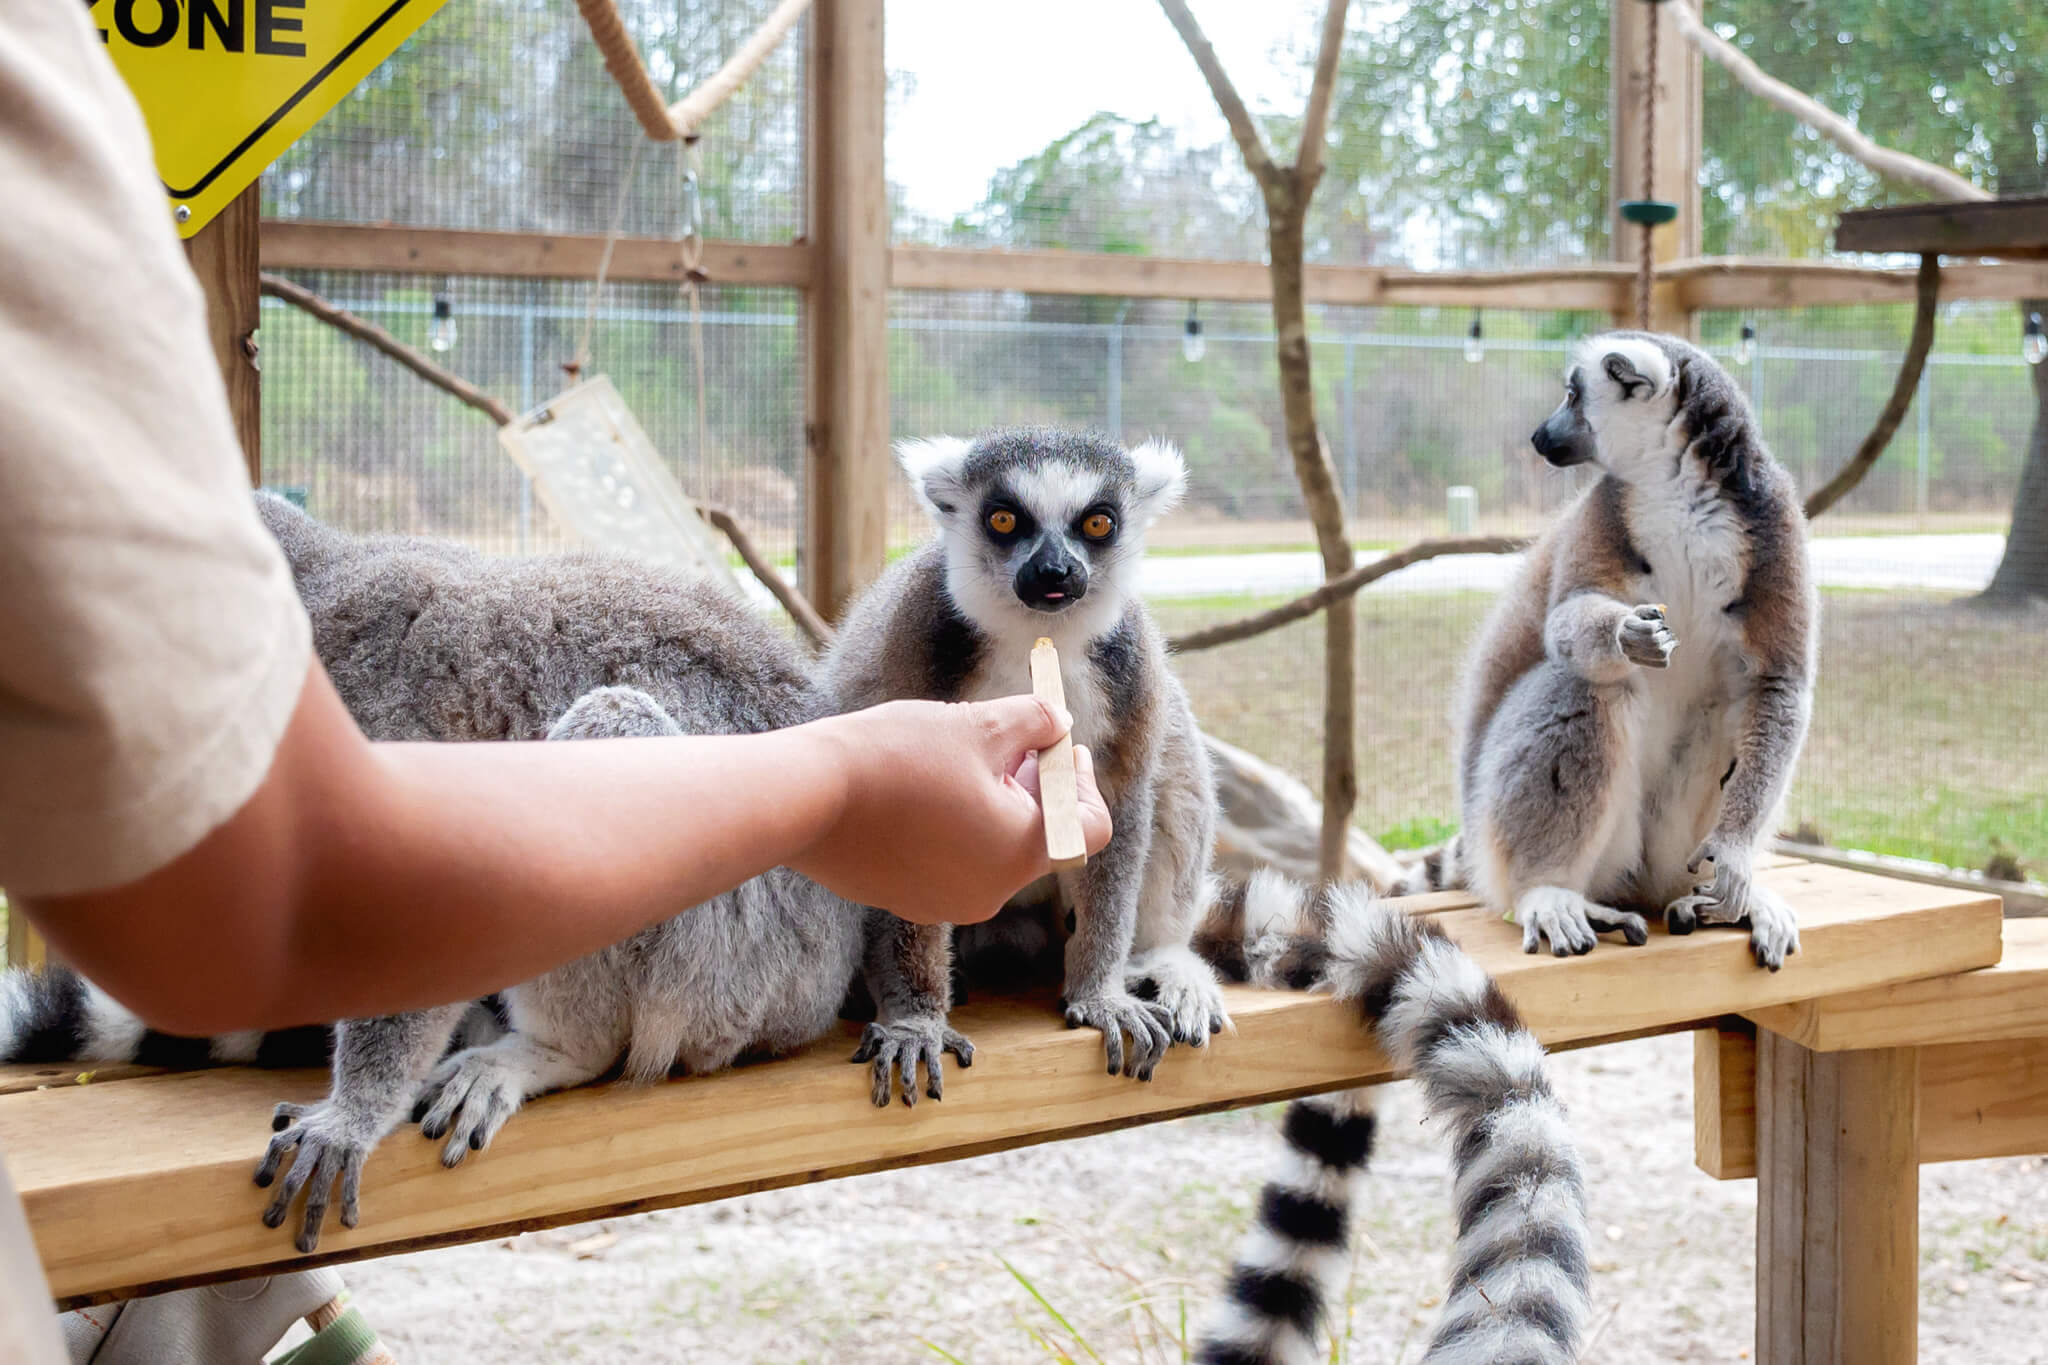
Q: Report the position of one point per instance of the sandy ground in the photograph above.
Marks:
(1123, 1234)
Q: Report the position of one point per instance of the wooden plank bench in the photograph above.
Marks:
(1833, 1103)
(143, 1182)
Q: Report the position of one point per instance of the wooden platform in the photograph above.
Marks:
(2014, 229)
(144, 1181)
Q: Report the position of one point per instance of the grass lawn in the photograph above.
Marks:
(1930, 731)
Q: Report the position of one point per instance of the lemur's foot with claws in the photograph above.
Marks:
(896, 1049)
(1732, 897)
(327, 1146)
(467, 1099)
(1115, 1013)
(1571, 923)
(1184, 988)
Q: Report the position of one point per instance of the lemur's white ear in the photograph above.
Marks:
(1162, 481)
(933, 465)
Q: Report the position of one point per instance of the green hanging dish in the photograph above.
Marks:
(1649, 212)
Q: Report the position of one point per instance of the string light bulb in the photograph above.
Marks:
(1475, 341)
(1193, 346)
(441, 332)
(2033, 340)
(1745, 348)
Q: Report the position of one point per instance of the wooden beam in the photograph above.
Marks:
(2009, 1000)
(1987, 227)
(1736, 282)
(1838, 1205)
(1724, 1100)
(224, 257)
(289, 244)
(25, 947)
(1679, 95)
(1977, 1100)
(114, 1213)
(1588, 287)
(847, 473)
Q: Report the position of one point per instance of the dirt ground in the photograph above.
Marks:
(1125, 1235)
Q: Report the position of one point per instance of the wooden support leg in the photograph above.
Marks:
(1838, 1205)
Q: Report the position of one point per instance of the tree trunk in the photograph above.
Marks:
(2022, 575)
(1286, 208)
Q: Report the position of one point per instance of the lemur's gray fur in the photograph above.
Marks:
(1039, 535)
(1518, 1289)
(430, 641)
(1636, 701)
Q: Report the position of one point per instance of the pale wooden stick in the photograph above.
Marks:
(1059, 792)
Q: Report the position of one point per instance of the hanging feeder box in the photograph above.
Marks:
(1648, 212)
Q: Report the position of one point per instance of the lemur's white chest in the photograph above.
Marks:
(1004, 670)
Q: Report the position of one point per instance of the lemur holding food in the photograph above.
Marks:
(1633, 706)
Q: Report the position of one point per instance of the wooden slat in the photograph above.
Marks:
(1678, 94)
(2009, 1000)
(224, 257)
(1838, 1204)
(146, 1182)
(1977, 1100)
(846, 347)
(1991, 227)
(1735, 282)
(1724, 1100)
(290, 244)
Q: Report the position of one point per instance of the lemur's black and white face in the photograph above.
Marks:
(1043, 523)
(1619, 399)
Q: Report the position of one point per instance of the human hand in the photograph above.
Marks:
(941, 821)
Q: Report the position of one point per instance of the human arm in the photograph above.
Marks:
(365, 879)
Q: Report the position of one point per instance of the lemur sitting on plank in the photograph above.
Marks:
(1634, 705)
(429, 641)
(1039, 535)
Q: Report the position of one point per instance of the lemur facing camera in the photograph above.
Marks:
(1039, 535)
(430, 641)
(1634, 705)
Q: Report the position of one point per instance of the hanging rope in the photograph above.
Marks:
(665, 122)
(1646, 264)
(576, 367)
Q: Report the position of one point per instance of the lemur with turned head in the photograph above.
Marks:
(1634, 705)
(1039, 535)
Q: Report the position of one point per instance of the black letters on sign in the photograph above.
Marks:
(269, 23)
(165, 12)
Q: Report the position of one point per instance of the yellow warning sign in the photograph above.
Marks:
(227, 85)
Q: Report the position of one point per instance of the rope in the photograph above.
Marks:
(687, 115)
(577, 366)
(622, 59)
(1645, 263)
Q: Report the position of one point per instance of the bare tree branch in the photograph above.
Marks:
(1886, 161)
(376, 337)
(1340, 588)
(799, 608)
(1903, 388)
(1246, 132)
(1315, 123)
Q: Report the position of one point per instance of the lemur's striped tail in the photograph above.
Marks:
(56, 1015)
(1518, 1292)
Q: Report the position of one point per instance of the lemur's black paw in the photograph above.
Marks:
(1184, 990)
(326, 1147)
(896, 1050)
(1115, 1013)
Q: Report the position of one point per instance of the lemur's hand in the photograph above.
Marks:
(1646, 638)
(1116, 1012)
(328, 1144)
(897, 1048)
(1731, 896)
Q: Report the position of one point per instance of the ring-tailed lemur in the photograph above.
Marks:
(429, 641)
(1518, 1289)
(1039, 535)
(1635, 703)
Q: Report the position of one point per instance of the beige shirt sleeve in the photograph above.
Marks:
(151, 646)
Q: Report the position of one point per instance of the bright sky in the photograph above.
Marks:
(997, 81)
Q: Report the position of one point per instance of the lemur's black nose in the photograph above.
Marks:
(1051, 581)
(1541, 440)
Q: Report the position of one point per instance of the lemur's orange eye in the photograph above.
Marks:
(1002, 522)
(1098, 526)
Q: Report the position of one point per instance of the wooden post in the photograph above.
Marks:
(25, 947)
(1838, 1204)
(846, 480)
(1680, 99)
(223, 256)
